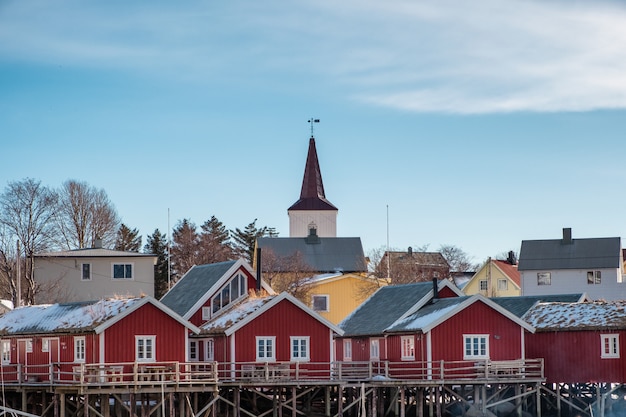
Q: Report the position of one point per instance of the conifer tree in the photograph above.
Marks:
(157, 245)
(244, 241)
(127, 240)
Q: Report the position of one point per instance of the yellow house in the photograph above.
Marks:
(336, 295)
(495, 278)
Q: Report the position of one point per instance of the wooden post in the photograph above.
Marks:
(327, 401)
(340, 400)
(132, 405)
(419, 400)
(62, 405)
(105, 409)
(402, 402)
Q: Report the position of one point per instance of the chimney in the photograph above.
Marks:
(567, 235)
(258, 269)
(435, 289)
(410, 251)
(97, 243)
(511, 258)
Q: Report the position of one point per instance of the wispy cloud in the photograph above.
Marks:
(453, 56)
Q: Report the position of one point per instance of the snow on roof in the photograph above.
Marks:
(60, 318)
(429, 314)
(578, 316)
(236, 314)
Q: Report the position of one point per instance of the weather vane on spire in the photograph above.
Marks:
(311, 121)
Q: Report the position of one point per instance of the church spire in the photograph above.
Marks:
(312, 195)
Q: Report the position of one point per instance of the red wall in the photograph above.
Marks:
(284, 320)
(504, 334)
(148, 320)
(575, 356)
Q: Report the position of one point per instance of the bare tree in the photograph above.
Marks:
(291, 274)
(458, 260)
(26, 210)
(85, 214)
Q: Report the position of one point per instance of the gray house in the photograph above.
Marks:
(557, 266)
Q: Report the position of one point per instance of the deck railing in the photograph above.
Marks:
(171, 373)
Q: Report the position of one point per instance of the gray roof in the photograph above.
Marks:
(93, 253)
(521, 304)
(194, 285)
(329, 254)
(427, 314)
(578, 254)
(383, 308)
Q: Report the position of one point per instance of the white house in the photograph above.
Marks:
(93, 274)
(560, 266)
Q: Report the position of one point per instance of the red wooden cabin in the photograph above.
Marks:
(59, 341)
(269, 337)
(580, 342)
(408, 332)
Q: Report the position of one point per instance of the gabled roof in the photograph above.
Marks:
(387, 305)
(312, 195)
(509, 271)
(570, 254)
(439, 310)
(94, 253)
(330, 254)
(521, 304)
(424, 259)
(77, 317)
(252, 307)
(594, 315)
(200, 283)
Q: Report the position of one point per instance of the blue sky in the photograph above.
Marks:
(478, 124)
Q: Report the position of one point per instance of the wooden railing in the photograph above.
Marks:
(176, 373)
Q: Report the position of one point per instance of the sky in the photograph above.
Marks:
(475, 124)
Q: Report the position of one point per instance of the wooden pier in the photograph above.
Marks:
(373, 389)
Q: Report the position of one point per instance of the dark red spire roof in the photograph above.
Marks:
(312, 195)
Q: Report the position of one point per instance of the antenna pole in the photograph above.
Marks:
(311, 121)
(388, 254)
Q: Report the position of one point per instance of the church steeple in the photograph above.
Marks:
(312, 195)
(312, 208)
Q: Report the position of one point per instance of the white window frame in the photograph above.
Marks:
(242, 289)
(478, 342)
(375, 349)
(80, 349)
(145, 348)
(262, 355)
(125, 264)
(296, 354)
(6, 351)
(326, 299)
(82, 271)
(347, 349)
(503, 284)
(209, 352)
(609, 346)
(45, 344)
(482, 287)
(407, 348)
(594, 277)
(29, 346)
(193, 350)
(544, 278)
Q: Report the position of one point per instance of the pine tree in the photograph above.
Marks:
(244, 240)
(157, 245)
(184, 252)
(215, 242)
(127, 240)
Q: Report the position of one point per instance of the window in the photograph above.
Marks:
(408, 347)
(206, 313)
(210, 350)
(29, 346)
(503, 285)
(347, 350)
(231, 292)
(86, 272)
(476, 346)
(6, 352)
(144, 348)
(374, 349)
(483, 285)
(594, 277)
(45, 345)
(193, 350)
(79, 349)
(610, 345)
(299, 348)
(544, 278)
(320, 302)
(122, 271)
(265, 349)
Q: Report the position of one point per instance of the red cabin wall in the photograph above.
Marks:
(446, 292)
(504, 335)
(575, 356)
(148, 320)
(282, 321)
